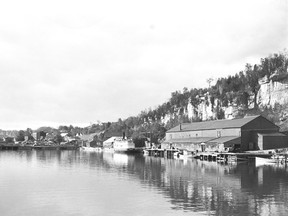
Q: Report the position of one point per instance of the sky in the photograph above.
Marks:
(73, 62)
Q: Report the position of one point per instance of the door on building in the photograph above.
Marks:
(251, 145)
(203, 147)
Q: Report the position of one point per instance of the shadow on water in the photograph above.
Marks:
(192, 185)
(221, 189)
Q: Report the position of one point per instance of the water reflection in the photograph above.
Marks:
(191, 186)
(220, 189)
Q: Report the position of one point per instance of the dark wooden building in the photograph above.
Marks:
(248, 133)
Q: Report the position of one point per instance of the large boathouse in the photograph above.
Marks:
(248, 133)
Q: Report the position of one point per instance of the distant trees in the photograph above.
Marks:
(24, 134)
(21, 136)
(58, 138)
(233, 90)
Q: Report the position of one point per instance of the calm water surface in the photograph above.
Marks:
(80, 183)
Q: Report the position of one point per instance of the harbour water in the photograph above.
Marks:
(74, 183)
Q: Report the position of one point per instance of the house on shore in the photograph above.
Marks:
(248, 133)
(91, 140)
(7, 139)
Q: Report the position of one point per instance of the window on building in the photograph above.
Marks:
(218, 133)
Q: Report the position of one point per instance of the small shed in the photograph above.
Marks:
(272, 141)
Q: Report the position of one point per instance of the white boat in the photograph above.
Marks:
(121, 145)
(259, 161)
(274, 159)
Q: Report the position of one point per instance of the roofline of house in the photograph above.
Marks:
(183, 130)
(203, 129)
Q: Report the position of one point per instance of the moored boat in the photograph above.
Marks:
(259, 161)
(274, 159)
(122, 145)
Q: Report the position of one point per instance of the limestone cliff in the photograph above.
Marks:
(272, 92)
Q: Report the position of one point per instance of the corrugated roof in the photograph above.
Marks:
(217, 124)
(226, 139)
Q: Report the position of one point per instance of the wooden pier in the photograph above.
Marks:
(229, 156)
(168, 153)
(9, 147)
(37, 147)
(225, 157)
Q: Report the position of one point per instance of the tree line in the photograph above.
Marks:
(239, 90)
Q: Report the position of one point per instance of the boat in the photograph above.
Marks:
(259, 161)
(122, 145)
(274, 159)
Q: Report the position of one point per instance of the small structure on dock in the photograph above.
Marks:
(158, 152)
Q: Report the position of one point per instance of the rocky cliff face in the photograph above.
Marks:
(270, 93)
(206, 111)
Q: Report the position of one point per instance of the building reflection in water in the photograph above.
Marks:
(200, 186)
(192, 185)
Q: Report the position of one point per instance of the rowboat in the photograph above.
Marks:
(275, 159)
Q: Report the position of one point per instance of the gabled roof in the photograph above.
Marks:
(87, 137)
(226, 139)
(217, 124)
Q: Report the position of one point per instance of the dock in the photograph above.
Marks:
(161, 152)
(230, 156)
(37, 147)
(222, 157)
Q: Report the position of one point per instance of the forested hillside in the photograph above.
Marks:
(230, 97)
(257, 89)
